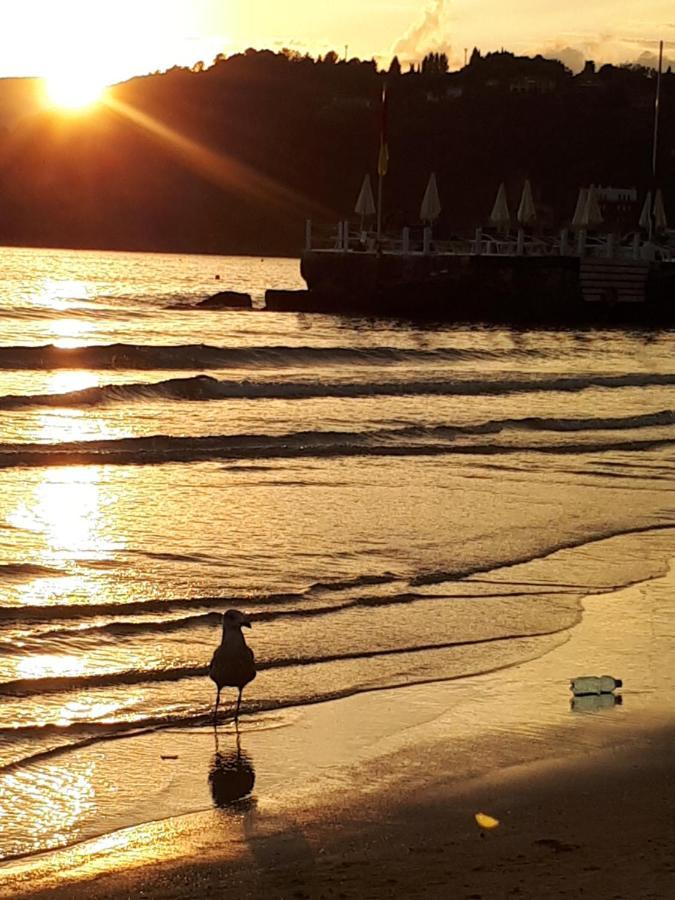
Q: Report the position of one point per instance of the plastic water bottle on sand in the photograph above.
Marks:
(594, 684)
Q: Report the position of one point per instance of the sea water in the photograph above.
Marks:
(390, 502)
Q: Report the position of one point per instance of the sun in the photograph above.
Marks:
(73, 90)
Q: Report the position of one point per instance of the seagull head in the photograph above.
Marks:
(235, 619)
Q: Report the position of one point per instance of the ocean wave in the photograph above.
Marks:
(199, 610)
(439, 577)
(204, 356)
(26, 571)
(407, 441)
(253, 602)
(201, 388)
(85, 635)
(56, 684)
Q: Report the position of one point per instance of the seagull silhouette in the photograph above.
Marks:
(232, 664)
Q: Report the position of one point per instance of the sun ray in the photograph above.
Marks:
(220, 168)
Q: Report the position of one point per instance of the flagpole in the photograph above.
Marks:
(382, 162)
(657, 103)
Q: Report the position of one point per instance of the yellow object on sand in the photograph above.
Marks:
(486, 821)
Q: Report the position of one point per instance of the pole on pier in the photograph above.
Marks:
(520, 242)
(478, 241)
(657, 103)
(426, 240)
(382, 162)
(308, 234)
(564, 237)
(655, 142)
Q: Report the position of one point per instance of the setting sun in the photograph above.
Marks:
(70, 90)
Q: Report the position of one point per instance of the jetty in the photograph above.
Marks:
(612, 261)
(520, 279)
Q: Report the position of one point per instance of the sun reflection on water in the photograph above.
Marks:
(49, 665)
(65, 508)
(64, 295)
(69, 515)
(71, 380)
(71, 332)
(55, 802)
(61, 293)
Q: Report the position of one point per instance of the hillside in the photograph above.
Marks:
(234, 157)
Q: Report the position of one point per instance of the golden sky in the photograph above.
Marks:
(113, 39)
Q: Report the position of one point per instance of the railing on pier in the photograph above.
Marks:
(348, 239)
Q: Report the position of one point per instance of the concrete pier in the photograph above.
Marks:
(483, 288)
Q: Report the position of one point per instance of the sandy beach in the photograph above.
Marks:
(375, 795)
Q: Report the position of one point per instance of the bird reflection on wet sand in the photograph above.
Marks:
(232, 778)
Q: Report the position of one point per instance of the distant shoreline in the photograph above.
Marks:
(65, 248)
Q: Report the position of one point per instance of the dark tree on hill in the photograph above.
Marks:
(435, 64)
(395, 68)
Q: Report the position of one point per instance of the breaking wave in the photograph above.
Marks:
(525, 435)
(203, 356)
(206, 388)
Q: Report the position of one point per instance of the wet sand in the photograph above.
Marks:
(375, 796)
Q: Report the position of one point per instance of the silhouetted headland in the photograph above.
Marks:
(234, 157)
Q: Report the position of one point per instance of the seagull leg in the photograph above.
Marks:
(236, 713)
(215, 711)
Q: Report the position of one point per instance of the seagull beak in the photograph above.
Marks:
(246, 623)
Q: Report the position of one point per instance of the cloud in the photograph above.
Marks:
(571, 57)
(605, 48)
(651, 60)
(427, 35)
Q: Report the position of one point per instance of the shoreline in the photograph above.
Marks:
(498, 742)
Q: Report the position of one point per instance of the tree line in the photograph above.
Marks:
(232, 157)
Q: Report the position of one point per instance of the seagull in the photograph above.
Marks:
(232, 664)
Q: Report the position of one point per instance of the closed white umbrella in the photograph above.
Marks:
(660, 221)
(431, 202)
(365, 205)
(592, 215)
(646, 214)
(527, 212)
(580, 208)
(500, 215)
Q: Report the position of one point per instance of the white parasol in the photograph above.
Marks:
(580, 208)
(365, 205)
(500, 215)
(431, 203)
(527, 212)
(660, 220)
(646, 214)
(592, 214)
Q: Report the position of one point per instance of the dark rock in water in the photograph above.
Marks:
(226, 300)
